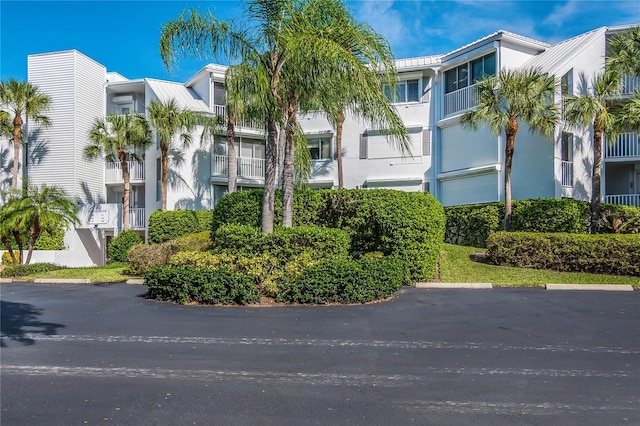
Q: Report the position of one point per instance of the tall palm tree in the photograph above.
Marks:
(514, 97)
(38, 209)
(629, 115)
(169, 119)
(595, 108)
(623, 52)
(24, 101)
(119, 138)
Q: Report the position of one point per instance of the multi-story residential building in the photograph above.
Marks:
(458, 166)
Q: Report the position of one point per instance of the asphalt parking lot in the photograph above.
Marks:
(104, 354)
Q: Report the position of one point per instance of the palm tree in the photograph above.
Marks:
(24, 101)
(119, 138)
(40, 208)
(629, 115)
(504, 102)
(168, 120)
(594, 108)
(624, 52)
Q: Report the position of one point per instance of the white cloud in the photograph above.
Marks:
(561, 13)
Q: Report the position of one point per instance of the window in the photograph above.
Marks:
(459, 78)
(219, 95)
(319, 148)
(158, 179)
(406, 91)
(566, 84)
(566, 147)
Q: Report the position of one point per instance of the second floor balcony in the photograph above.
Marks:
(626, 147)
(460, 100)
(251, 168)
(113, 172)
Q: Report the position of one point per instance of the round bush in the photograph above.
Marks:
(169, 225)
(121, 244)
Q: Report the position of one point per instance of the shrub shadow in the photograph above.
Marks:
(20, 321)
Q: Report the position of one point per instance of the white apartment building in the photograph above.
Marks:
(456, 165)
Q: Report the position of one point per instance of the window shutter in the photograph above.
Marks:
(363, 147)
(426, 142)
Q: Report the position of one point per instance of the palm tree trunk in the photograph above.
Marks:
(17, 143)
(271, 154)
(33, 237)
(7, 244)
(18, 238)
(289, 165)
(595, 181)
(125, 195)
(339, 127)
(282, 141)
(164, 150)
(232, 159)
(508, 162)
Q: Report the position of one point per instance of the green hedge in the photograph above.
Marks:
(165, 226)
(606, 254)
(33, 268)
(470, 225)
(283, 243)
(406, 225)
(207, 286)
(121, 244)
(144, 256)
(345, 281)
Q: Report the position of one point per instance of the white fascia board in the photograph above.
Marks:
(394, 180)
(473, 171)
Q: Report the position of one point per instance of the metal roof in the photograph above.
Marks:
(560, 53)
(186, 98)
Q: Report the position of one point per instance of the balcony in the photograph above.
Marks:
(629, 84)
(460, 100)
(626, 145)
(567, 173)
(255, 125)
(623, 199)
(252, 168)
(136, 218)
(113, 172)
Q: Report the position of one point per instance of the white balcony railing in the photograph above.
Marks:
(624, 199)
(629, 84)
(567, 173)
(460, 100)
(626, 145)
(136, 218)
(221, 111)
(247, 167)
(113, 171)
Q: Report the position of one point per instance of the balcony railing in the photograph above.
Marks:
(221, 111)
(629, 84)
(624, 199)
(626, 145)
(567, 173)
(247, 167)
(136, 218)
(460, 100)
(113, 172)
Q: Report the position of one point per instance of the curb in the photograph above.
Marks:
(6, 280)
(62, 280)
(475, 286)
(135, 281)
(598, 287)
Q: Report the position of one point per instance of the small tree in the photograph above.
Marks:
(119, 138)
(594, 108)
(23, 100)
(514, 96)
(168, 120)
(38, 209)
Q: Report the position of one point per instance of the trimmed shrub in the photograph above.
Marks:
(550, 215)
(604, 254)
(208, 286)
(144, 256)
(7, 260)
(470, 225)
(121, 244)
(283, 243)
(33, 268)
(165, 226)
(345, 281)
(406, 225)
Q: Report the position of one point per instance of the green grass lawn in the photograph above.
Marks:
(456, 266)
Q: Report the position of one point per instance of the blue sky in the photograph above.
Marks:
(124, 35)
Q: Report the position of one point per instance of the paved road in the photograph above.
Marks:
(103, 354)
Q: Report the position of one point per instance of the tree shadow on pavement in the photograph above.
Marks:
(19, 322)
